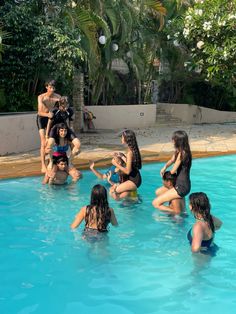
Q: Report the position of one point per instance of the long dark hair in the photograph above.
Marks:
(201, 205)
(181, 143)
(55, 131)
(130, 139)
(98, 210)
(122, 176)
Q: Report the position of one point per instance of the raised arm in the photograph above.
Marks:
(79, 218)
(97, 173)
(128, 167)
(168, 164)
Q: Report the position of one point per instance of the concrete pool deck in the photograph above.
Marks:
(154, 143)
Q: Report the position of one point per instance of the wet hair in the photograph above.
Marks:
(59, 159)
(201, 205)
(181, 143)
(50, 83)
(130, 139)
(168, 176)
(98, 210)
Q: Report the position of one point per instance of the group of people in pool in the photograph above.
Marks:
(124, 176)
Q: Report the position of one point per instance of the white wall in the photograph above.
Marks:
(19, 133)
(127, 116)
(195, 114)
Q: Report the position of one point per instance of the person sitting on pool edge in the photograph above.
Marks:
(177, 205)
(60, 172)
(201, 235)
(112, 174)
(98, 214)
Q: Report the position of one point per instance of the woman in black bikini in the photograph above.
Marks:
(201, 235)
(182, 161)
(133, 165)
(97, 214)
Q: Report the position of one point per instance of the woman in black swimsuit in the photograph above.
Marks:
(97, 214)
(182, 161)
(133, 164)
(201, 235)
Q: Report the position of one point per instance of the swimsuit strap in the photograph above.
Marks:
(200, 219)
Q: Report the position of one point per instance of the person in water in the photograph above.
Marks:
(131, 169)
(177, 205)
(98, 214)
(46, 102)
(113, 175)
(182, 161)
(201, 235)
(61, 139)
(59, 174)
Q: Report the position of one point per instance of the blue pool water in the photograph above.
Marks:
(143, 266)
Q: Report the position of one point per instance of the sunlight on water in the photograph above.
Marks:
(143, 266)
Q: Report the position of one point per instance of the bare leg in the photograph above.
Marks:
(122, 189)
(161, 190)
(42, 150)
(166, 197)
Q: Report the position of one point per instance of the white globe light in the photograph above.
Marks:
(102, 40)
(129, 54)
(115, 47)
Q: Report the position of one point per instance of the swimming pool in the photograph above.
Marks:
(143, 266)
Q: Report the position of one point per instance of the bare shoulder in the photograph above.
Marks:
(41, 96)
(198, 227)
(83, 209)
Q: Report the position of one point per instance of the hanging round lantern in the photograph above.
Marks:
(102, 40)
(115, 47)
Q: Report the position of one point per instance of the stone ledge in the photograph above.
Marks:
(31, 167)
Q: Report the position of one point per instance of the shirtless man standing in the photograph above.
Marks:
(46, 102)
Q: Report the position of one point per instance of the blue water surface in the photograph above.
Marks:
(143, 266)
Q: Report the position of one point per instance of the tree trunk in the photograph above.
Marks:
(78, 100)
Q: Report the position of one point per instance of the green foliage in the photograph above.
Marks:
(207, 29)
(38, 48)
(50, 39)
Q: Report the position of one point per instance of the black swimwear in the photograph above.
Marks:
(42, 122)
(205, 243)
(135, 177)
(61, 116)
(183, 184)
